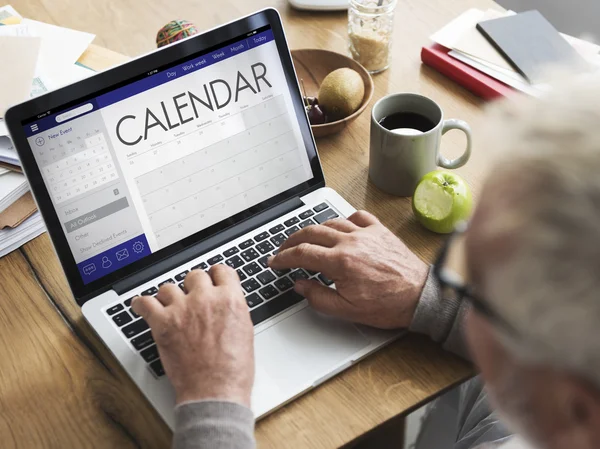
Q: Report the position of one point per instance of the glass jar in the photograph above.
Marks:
(370, 29)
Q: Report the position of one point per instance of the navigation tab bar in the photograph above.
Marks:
(114, 258)
(186, 68)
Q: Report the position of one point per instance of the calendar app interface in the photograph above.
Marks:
(145, 165)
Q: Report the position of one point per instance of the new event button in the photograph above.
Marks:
(95, 215)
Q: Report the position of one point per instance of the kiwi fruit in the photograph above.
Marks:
(341, 93)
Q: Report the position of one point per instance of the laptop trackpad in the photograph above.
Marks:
(305, 347)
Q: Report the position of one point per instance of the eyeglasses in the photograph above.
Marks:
(450, 271)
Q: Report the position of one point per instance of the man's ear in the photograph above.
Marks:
(582, 401)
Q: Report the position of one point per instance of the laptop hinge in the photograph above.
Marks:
(207, 245)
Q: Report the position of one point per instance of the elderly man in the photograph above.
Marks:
(522, 282)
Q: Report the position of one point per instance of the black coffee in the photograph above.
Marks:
(403, 120)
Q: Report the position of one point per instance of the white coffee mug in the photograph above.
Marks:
(398, 159)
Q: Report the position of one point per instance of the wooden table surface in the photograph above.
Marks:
(60, 388)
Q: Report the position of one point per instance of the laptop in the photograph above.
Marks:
(193, 155)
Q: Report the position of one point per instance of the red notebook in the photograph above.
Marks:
(479, 83)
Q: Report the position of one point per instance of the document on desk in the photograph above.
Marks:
(474, 44)
(8, 153)
(12, 187)
(68, 75)
(11, 239)
(18, 212)
(15, 31)
(60, 47)
(470, 47)
(18, 56)
(9, 16)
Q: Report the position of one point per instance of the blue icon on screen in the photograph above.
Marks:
(89, 269)
(114, 258)
(106, 263)
(122, 254)
(138, 247)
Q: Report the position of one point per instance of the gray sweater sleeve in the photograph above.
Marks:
(440, 318)
(475, 424)
(213, 425)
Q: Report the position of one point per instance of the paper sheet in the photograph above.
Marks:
(18, 56)
(449, 35)
(69, 75)
(521, 85)
(37, 86)
(60, 48)
(11, 239)
(15, 30)
(8, 153)
(3, 128)
(473, 43)
(9, 16)
(589, 50)
(18, 211)
(462, 36)
(12, 187)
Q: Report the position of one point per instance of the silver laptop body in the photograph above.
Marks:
(196, 154)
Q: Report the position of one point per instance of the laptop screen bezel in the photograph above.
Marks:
(19, 115)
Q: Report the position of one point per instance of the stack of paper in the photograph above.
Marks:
(36, 57)
(11, 239)
(12, 187)
(8, 154)
(19, 219)
(469, 46)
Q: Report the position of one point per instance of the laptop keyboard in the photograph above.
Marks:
(267, 291)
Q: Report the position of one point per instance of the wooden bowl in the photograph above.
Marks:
(313, 65)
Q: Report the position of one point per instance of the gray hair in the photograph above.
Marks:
(548, 223)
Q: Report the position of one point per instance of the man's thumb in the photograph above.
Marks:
(324, 299)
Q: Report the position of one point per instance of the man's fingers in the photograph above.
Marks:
(324, 299)
(341, 224)
(149, 308)
(197, 279)
(168, 294)
(305, 255)
(315, 235)
(224, 275)
(363, 218)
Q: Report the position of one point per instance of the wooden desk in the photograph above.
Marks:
(59, 387)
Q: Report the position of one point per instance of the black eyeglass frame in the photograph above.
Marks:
(464, 291)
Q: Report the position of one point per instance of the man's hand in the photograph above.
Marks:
(378, 279)
(205, 337)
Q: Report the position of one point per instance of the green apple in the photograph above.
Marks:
(442, 199)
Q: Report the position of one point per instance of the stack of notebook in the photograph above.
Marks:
(468, 56)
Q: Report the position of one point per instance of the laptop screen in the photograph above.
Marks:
(143, 166)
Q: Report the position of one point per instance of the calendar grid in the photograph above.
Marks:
(173, 236)
(220, 182)
(81, 171)
(196, 173)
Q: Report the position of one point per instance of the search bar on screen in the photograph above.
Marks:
(74, 113)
